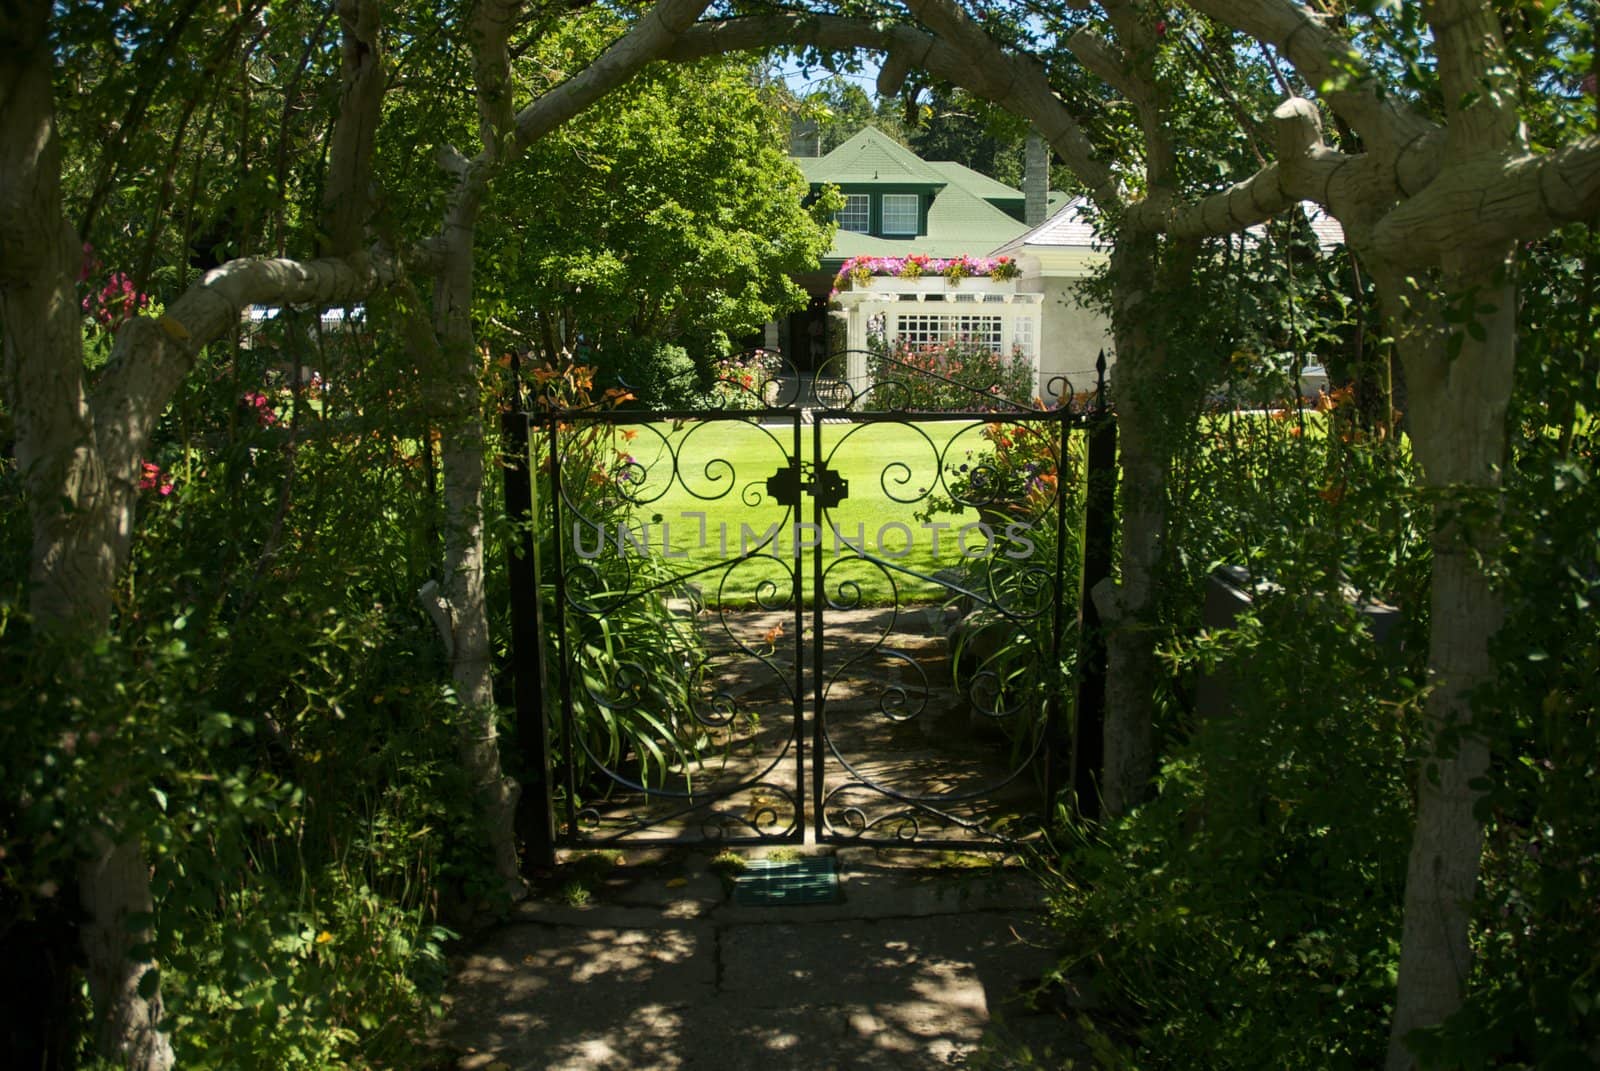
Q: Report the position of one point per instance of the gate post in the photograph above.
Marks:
(536, 807)
(1099, 520)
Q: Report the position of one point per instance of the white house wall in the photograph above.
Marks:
(1072, 337)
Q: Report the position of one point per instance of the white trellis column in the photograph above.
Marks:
(859, 310)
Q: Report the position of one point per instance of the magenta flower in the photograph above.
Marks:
(151, 478)
(116, 301)
(263, 408)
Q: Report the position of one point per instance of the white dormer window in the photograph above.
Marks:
(900, 212)
(856, 215)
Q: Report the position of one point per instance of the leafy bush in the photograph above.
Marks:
(1252, 907)
(740, 381)
(273, 682)
(660, 375)
(632, 658)
(958, 375)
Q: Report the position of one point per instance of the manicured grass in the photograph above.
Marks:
(719, 468)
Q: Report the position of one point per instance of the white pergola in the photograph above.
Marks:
(931, 310)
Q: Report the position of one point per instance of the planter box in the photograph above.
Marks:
(933, 284)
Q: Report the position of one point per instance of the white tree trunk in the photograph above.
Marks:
(461, 462)
(1458, 432)
(1132, 669)
(504, 135)
(80, 511)
(115, 885)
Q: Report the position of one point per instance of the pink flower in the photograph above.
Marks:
(116, 301)
(263, 407)
(151, 478)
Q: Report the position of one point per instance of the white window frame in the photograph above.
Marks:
(856, 204)
(900, 199)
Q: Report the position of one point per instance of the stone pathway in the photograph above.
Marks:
(904, 747)
(663, 971)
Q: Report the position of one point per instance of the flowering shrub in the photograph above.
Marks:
(151, 478)
(740, 381)
(115, 301)
(1017, 476)
(958, 375)
(261, 405)
(859, 271)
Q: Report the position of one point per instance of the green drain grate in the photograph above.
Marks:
(781, 883)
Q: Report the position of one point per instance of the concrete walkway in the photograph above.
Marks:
(662, 970)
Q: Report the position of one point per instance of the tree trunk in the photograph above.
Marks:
(80, 511)
(461, 613)
(461, 460)
(1131, 665)
(114, 886)
(1458, 431)
(466, 613)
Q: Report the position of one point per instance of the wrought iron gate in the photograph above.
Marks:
(825, 607)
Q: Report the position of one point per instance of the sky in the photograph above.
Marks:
(800, 84)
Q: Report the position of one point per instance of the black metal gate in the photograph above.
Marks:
(829, 607)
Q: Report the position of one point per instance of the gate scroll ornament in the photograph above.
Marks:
(805, 681)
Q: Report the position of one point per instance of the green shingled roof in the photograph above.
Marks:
(958, 223)
(869, 156)
(974, 182)
(960, 220)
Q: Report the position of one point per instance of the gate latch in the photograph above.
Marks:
(787, 484)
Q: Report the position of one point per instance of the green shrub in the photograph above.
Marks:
(1252, 907)
(958, 375)
(660, 375)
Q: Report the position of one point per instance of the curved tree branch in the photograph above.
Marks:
(346, 202)
(647, 40)
(152, 355)
(1019, 83)
(1108, 63)
(1327, 62)
(1488, 201)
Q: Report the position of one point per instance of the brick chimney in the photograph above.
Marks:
(805, 137)
(1035, 180)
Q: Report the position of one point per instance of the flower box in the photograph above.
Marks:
(934, 284)
(924, 274)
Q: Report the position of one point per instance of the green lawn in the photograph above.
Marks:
(721, 471)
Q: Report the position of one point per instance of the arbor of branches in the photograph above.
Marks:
(1434, 183)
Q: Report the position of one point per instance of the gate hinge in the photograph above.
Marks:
(787, 484)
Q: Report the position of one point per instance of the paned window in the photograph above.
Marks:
(1022, 335)
(920, 331)
(923, 330)
(979, 330)
(900, 211)
(856, 215)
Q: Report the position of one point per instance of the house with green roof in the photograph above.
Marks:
(896, 205)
